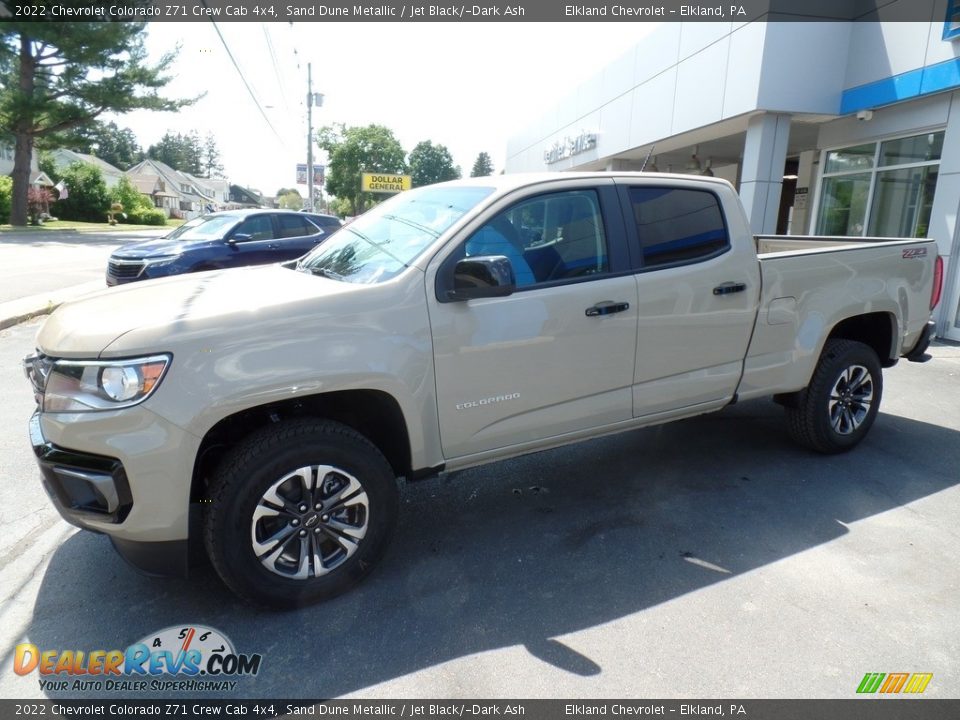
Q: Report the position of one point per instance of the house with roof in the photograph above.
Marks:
(184, 196)
(241, 197)
(38, 178)
(63, 158)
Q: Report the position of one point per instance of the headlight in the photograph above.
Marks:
(84, 386)
(161, 260)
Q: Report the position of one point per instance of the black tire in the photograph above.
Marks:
(261, 474)
(836, 410)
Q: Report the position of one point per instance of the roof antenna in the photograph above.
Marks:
(647, 158)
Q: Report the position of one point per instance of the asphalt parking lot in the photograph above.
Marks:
(706, 558)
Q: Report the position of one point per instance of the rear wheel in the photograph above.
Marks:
(836, 410)
(300, 512)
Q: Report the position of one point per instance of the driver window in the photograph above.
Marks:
(558, 236)
(257, 227)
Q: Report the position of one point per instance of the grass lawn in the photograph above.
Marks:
(88, 226)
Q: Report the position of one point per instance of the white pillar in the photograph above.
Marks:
(761, 177)
(944, 224)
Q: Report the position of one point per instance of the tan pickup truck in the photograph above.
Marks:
(265, 413)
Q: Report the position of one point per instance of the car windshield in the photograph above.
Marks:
(381, 243)
(207, 227)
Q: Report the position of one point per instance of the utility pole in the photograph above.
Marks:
(309, 138)
(312, 98)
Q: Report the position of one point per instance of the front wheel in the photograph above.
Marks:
(300, 511)
(836, 410)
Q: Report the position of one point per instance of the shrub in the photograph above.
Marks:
(38, 203)
(147, 216)
(88, 198)
(133, 202)
(6, 197)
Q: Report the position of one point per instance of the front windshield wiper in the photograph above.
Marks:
(415, 226)
(325, 272)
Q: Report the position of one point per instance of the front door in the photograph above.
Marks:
(556, 356)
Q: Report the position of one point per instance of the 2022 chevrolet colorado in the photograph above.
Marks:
(266, 412)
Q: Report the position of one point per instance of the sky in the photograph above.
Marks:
(469, 86)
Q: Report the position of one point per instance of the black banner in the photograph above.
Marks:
(481, 11)
(852, 709)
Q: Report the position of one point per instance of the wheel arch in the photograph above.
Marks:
(373, 413)
(878, 330)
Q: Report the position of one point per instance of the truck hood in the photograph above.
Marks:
(158, 311)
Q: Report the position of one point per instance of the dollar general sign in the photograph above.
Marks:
(385, 183)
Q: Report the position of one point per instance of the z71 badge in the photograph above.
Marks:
(911, 253)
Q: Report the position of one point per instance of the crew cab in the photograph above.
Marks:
(265, 413)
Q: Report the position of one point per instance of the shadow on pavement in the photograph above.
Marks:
(527, 550)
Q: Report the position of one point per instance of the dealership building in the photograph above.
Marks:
(826, 128)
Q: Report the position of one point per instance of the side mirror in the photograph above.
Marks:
(239, 237)
(482, 277)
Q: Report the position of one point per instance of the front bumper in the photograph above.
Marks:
(143, 510)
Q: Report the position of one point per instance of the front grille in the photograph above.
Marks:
(37, 369)
(124, 269)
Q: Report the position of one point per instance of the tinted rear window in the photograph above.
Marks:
(676, 225)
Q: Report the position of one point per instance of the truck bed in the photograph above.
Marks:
(811, 284)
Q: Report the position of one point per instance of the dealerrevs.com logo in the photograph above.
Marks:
(894, 683)
(186, 657)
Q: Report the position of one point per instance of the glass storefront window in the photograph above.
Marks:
(883, 189)
(919, 148)
(843, 205)
(902, 201)
(851, 158)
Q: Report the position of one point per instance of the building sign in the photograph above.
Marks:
(569, 147)
(318, 171)
(385, 183)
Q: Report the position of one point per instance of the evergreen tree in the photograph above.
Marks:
(482, 167)
(57, 76)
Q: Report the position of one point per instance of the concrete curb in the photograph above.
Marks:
(15, 312)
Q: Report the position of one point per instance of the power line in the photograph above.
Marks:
(245, 83)
(276, 69)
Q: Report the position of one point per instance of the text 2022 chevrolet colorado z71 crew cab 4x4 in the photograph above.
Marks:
(266, 412)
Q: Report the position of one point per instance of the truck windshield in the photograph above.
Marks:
(381, 243)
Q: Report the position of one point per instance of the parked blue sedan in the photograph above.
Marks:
(222, 240)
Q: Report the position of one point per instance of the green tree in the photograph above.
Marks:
(6, 191)
(290, 200)
(87, 196)
(482, 167)
(108, 141)
(210, 158)
(431, 164)
(355, 150)
(117, 146)
(183, 152)
(136, 205)
(63, 75)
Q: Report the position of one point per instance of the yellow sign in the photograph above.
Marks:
(385, 183)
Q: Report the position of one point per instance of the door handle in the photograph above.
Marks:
(729, 287)
(606, 308)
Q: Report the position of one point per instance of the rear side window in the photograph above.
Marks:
(295, 226)
(676, 225)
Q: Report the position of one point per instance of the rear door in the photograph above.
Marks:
(296, 236)
(698, 288)
(555, 357)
